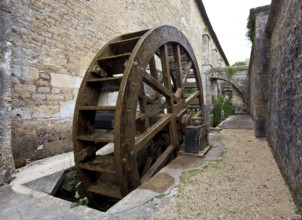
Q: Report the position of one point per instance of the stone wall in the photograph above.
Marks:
(53, 43)
(6, 161)
(284, 78)
(258, 80)
(285, 96)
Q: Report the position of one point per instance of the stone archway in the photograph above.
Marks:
(239, 79)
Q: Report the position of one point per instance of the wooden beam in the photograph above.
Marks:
(142, 140)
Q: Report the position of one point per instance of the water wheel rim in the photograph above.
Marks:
(125, 152)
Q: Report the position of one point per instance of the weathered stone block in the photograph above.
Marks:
(55, 90)
(67, 109)
(65, 81)
(55, 97)
(44, 89)
(25, 74)
(25, 88)
(21, 113)
(44, 76)
(37, 97)
(42, 83)
(49, 138)
(69, 97)
(31, 74)
(45, 112)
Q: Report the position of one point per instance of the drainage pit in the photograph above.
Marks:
(65, 185)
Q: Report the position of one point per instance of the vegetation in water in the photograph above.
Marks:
(71, 190)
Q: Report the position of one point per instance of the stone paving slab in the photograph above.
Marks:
(48, 184)
(237, 122)
(35, 205)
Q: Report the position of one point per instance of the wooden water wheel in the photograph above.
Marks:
(127, 120)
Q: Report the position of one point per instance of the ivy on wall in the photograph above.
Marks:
(250, 34)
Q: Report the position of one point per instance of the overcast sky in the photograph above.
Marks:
(229, 18)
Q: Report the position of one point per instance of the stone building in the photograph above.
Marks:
(47, 45)
(276, 86)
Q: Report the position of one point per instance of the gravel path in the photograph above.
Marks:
(244, 184)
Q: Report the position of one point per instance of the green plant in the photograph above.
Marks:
(295, 189)
(206, 29)
(241, 63)
(221, 164)
(71, 188)
(217, 111)
(221, 104)
(213, 99)
(228, 108)
(191, 111)
(71, 182)
(189, 91)
(230, 71)
(297, 211)
(250, 34)
(232, 210)
(230, 178)
(187, 176)
(79, 200)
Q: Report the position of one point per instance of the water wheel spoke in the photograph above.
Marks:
(159, 163)
(192, 97)
(197, 114)
(152, 98)
(156, 85)
(144, 107)
(179, 73)
(164, 56)
(142, 140)
(156, 74)
(173, 132)
(178, 65)
(153, 69)
(149, 163)
(140, 117)
(178, 94)
(186, 71)
(165, 66)
(152, 155)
